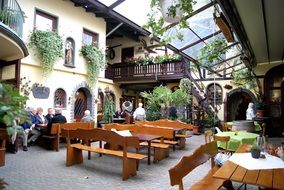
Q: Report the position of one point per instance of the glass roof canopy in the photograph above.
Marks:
(203, 28)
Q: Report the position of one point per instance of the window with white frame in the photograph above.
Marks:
(44, 21)
(90, 38)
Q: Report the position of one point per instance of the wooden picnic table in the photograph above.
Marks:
(267, 178)
(147, 138)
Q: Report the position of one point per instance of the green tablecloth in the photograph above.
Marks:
(257, 127)
(237, 138)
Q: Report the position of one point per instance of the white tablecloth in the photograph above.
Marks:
(245, 160)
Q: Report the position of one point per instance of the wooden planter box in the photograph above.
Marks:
(2, 156)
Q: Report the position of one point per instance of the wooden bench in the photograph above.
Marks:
(161, 147)
(130, 159)
(188, 163)
(168, 134)
(54, 137)
(175, 124)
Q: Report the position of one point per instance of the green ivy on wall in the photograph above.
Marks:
(212, 52)
(48, 46)
(95, 58)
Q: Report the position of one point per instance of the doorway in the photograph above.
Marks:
(236, 104)
(273, 93)
(80, 104)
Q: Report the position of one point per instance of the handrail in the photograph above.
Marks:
(123, 71)
(12, 15)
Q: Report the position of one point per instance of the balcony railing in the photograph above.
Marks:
(122, 72)
(12, 15)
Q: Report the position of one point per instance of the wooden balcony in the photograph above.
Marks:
(123, 73)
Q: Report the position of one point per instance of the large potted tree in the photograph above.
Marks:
(11, 108)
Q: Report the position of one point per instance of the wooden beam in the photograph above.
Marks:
(231, 66)
(115, 4)
(231, 13)
(200, 40)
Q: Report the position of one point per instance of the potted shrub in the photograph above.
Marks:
(260, 108)
(255, 151)
(11, 108)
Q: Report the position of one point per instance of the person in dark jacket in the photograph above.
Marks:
(58, 118)
(49, 115)
(29, 128)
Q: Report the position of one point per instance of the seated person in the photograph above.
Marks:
(35, 133)
(280, 152)
(118, 113)
(139, 113)
(57, 118)
(87, 117)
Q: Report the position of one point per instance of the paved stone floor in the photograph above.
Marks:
(45, 170)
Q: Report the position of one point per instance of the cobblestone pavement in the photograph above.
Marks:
(45, 170)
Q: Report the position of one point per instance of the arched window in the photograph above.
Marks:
(218, 95)
(60, 98)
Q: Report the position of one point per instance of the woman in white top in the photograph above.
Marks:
(139, 113)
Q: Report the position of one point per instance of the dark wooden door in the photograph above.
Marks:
(80, 104)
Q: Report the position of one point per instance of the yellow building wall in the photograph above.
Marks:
(71, 22)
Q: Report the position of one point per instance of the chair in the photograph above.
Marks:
(208, 134)
(188, 163)
(227, 127)
(218, 130)
(224, 139)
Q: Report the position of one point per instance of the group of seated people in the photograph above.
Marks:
(138, 114)
(39, 124)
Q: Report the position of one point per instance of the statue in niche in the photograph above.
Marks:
(69, 52)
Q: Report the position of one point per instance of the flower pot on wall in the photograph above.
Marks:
(165, 5)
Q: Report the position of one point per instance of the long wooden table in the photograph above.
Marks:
(268, 178)
(147, 138)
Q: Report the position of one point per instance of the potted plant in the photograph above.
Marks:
(173, 11)
(95, 58)
(255, 151)
(162, 98)
(48, 46)
(11, 108)
(260, 108)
